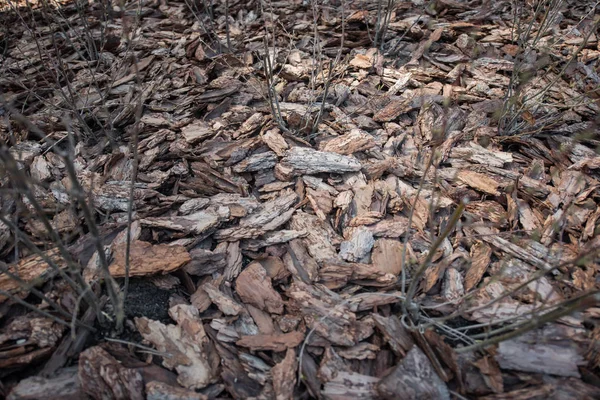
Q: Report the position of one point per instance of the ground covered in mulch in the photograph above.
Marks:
(323, 199)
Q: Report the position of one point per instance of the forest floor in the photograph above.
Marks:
(300, 199)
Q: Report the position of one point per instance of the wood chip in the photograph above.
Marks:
(302, 160)
(28, 269)
(196, 223)
(284, 376)
(387, 256)
(148, 259)
(192, 355)
(275, 342)
(254, 287)
(102, 376)
(413, 378)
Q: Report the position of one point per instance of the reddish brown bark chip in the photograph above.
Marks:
(272, 342)
(254, 287)
(148, 259)
(284, 376)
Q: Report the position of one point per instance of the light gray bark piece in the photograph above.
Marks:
(256, 162)
(303, 160)
(536, 354)
(64, 386)
(196, 223)
(413, 378)
(358, 247)
(197, 132)
(270, 216)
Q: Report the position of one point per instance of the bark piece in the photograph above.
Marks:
(162, 391)
(192, 354)
(29, 269)
(390, 228)
(397, 336)
(271, 238)
(301, 259)
(351, 385)
(336, 273)
(193, 205)
(477, 154)
(320, 201)
(325, 315)
(452, 287)
(103, 377)
(256, 162)
(358, 247)
(147, 259)
(387, 256)
(302, 160)
(254, 287)
(197, 223)
(508, 247)
(197, 132)
(320, 238)
(413, 378)
(362, 351)
(64, 385)
(223, 302)
(366, 301)
(529, 353)
(273, 139)
(250, 125)
(32, 329)
(480, 260)
(350, 143)
(262, 319)
(392, 111)
(479, 182)
(284, 376)
(205, 262)
(272, 342)
(270, 216)
(275, 267)
(200, 299)
(234, 261)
